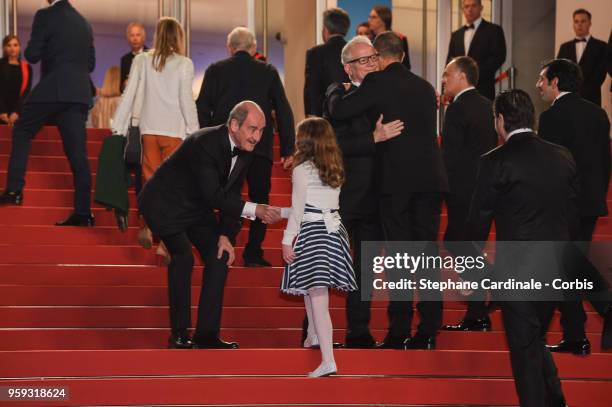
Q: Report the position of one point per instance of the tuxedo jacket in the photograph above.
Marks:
(410, 162)
(126, 64)
(406, 60)
(468, 133)
(242, 77)
(593, 65)
(193, 182)
(488, 48)
(584, 129)
(356, 141)
(63, 41)
(323, 67)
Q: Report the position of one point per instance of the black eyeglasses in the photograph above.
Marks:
(364, 60)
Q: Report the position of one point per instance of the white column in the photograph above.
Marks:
(444, 34)
(250, 23)
(4, 18)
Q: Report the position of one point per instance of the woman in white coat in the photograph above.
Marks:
(159, 100)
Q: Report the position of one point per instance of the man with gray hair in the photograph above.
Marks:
(357, 138)
(323, 65)
(178, 204)
(136, 35)
(242, 77)
(410, 174)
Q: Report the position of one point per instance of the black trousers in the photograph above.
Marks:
(70, 119)
(413, 217)
(534, 370)
(360, 229)
(259, 177)
(458, 207)
(573, 316)
(204, 238)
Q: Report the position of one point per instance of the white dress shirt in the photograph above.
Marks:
(166, 97)
(54, 1)
(517, 131)
(249, 207)
(462, 92)
(580, 47)
(468, 35)
(307, 189)
(561, 94)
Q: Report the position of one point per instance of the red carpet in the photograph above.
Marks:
(87, 308)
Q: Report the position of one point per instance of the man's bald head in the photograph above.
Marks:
(246, 123)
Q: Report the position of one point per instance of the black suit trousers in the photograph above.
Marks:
(413, 217)
(458, 207)
(573, 316)
(360, 229)
(535, 373)
(205, 239)
(259, 177)
(70, 119)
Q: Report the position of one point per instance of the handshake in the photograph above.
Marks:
(268, 214)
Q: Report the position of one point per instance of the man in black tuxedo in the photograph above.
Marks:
(136, 35)
(323, 66)
(468, 132)
(528, 187)
(357, 138)
(589, 53)
(410, 174)
(481, 40)
(178, 204)
(584, 129)
(242, 77)
(63, 41)
(379, 21)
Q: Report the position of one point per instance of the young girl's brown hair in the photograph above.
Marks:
(169, 39)
(316, 142)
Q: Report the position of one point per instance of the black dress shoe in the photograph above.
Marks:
(77, 220)
(360, 342)
(214, 343)
(392, 343)
(335, 345)
(420, 341)
(256, 262)
(122, 221)
(11, 198)
(481, 324)
(180, 341)
(581, 347)
(606, 335)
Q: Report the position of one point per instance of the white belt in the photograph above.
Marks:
(332, 219)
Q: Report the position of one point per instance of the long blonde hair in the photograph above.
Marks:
(316, 142)
(169, 39)
(110, 86)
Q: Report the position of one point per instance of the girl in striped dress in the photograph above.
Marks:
(315, 243)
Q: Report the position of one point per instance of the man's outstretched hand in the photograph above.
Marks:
(268, 214)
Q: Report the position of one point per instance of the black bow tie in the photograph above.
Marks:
(235, 152)
(469, 26)
(580, 40)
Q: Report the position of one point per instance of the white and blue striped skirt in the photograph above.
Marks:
(322, 259)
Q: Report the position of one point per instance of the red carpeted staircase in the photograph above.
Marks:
(86, 308)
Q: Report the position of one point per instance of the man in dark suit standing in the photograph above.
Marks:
(481, 40)
(589, 53)
(410, 174)
(468, 132)
(528, 187)
(323, 65)
(136, 36)
(584, 129)
(357, 138)
(230, 81)
(380, 20)
(63, 41)
(178, 204)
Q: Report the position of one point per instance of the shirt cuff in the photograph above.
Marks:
(285, 213)
(249, 210)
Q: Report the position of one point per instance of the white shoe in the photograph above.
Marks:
(324, 369)
(311, 342)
